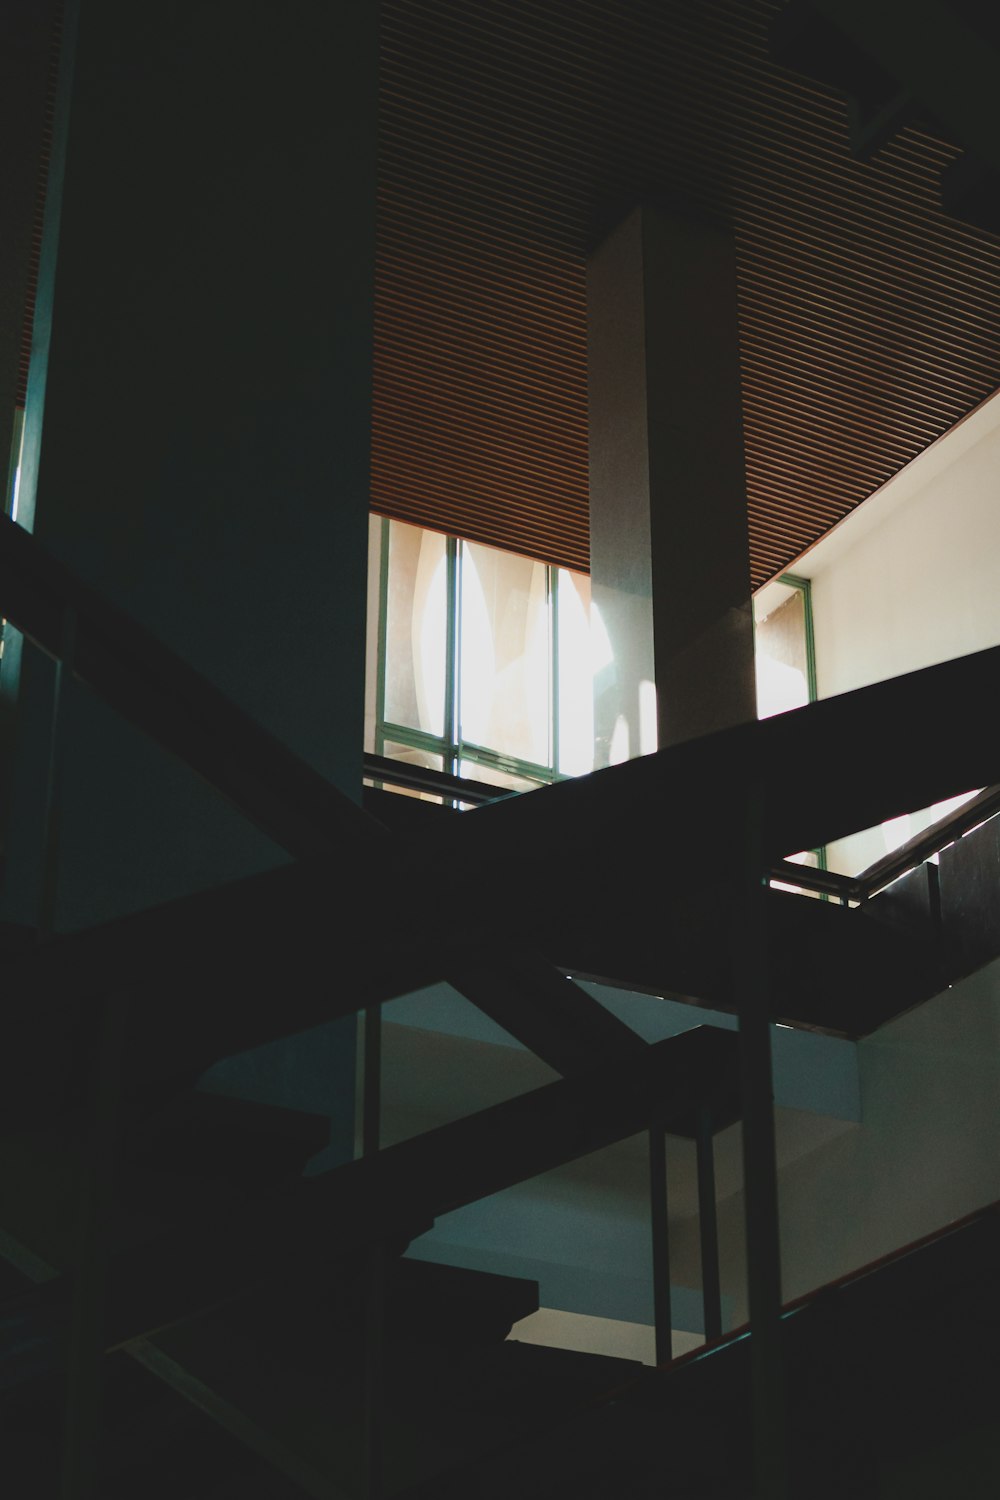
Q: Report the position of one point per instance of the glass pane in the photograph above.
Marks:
(807, 857)
(780, 647)
(576, 694)
(416, 629)
(856, 853)
(505, 653)
(443, 1059)
(582, 1232)
(410, 757)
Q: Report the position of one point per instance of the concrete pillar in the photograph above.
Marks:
(201, 454)
(669, 551)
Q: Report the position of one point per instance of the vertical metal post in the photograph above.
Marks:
(373, 1354)
(374, 1372)
(85, 1356)
(708, 1225)
(383, 632)
(552, 579)
(658, 1205)
(760, 1176)
(453, 659)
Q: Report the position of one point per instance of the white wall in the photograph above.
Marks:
(924, 1155)
(911, 578)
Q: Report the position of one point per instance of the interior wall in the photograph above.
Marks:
(198, 422)
(201, 455)
(924, 1155)
(912, 577)
(920, 585)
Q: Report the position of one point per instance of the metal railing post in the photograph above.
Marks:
(373, 1421)
(763, 1243)
(658, 1205)
(373, 1354)
(85, 1355)
(708, 1226)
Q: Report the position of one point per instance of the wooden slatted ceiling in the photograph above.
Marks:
(515, 133)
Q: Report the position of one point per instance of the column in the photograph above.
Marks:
(669, 547)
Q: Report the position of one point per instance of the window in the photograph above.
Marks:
(783, 646)
(478, 659)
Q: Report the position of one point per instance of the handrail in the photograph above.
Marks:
(820, 882)
(932, 840)
(426, 779)
(909, 856)
(808, 1299)
(845, 888)
(154, 689)
(477, 794)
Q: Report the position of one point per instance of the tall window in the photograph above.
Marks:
(478, 660)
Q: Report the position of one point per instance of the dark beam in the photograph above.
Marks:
(832, 968)
(547, 1012)
(826, 770)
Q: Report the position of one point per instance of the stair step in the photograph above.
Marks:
(451, 1304)
(425, 1303)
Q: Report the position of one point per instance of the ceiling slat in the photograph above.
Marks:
(515, 132)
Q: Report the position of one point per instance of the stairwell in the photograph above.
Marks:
(185, 1312)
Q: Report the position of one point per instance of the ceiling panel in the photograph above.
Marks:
(515, 133)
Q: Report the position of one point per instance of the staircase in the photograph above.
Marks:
(261, 1298)
(186, 1314)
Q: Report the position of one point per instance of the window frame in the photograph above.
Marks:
(452, 747)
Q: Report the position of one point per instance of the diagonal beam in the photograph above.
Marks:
(546, 1011)
(825, 771)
